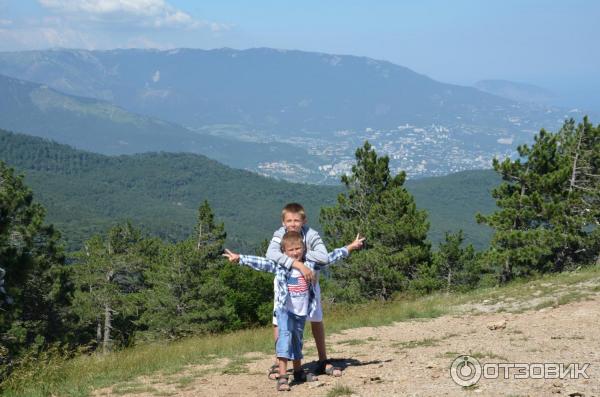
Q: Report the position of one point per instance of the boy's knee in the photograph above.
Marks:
(284, 338)
(283, 343)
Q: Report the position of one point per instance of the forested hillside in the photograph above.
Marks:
(86, 193)
(160, 192)
(452, 201)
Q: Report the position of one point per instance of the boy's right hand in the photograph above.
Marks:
(308, 274)
(232, 256)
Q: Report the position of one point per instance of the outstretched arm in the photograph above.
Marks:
(255, 262)
(341, 253)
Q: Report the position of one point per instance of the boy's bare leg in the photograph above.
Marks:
(282, 365)
(282, 372)
(297, 365)
(273, 374)
(318, 331)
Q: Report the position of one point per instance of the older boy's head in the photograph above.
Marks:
(293, 217)
(292, 244)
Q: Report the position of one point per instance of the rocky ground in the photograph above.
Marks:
(553, 324)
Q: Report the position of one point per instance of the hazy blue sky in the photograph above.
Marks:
(552, 43)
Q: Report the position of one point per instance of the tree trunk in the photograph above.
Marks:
(199, 244)
(507, 271)
(106, 347)
(516, 221)
(576, 157)
(99, 330)
(107, 326)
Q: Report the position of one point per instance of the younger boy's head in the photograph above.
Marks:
(293, 217)
(292, 244)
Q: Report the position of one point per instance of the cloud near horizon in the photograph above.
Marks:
(143, 13)
(104, 24)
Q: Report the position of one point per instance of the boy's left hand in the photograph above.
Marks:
(356, 244)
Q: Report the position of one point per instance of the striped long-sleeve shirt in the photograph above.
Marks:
(281, 275)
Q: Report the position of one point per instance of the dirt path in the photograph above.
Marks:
(413, 358)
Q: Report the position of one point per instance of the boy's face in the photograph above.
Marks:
(294, 249)
(293, 222)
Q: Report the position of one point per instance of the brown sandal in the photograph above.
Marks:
(322, 368)
(302, 376)
(282, 383)
(273, 372)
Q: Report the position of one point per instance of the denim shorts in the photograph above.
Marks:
(291, 331)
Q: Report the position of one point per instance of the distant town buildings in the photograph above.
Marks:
(420, 151)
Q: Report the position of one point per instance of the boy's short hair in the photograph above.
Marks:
(290, 238)
(293, 208)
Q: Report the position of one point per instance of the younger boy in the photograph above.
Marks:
(294, 301)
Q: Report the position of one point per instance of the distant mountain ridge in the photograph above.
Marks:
(102, 127)
(516, 91)
(296, 115)
(264, 88)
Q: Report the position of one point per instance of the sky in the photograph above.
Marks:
(552, 43)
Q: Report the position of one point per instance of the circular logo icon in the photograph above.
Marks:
(465, 371)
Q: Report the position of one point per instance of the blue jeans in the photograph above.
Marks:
(291, 331)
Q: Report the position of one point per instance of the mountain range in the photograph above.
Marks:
(311, 109)
(264, 88)
(102, 127)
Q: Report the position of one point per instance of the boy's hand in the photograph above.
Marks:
(308, 274)
(232, 256)
(356, 244)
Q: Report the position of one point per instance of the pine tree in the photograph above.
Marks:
(519, 243)
(548, 204)
(106, 287)
(578, 211)
(185, 294)
(453, 267)
(249, 292)
(35, 289)
(379, 207)
(210, 236)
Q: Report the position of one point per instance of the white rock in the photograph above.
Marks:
(497, 325)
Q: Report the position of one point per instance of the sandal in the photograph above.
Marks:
(282, 383)
(273, 372)
(302, 376)
(331, 370)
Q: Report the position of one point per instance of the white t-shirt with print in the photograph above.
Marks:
(297, 300)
